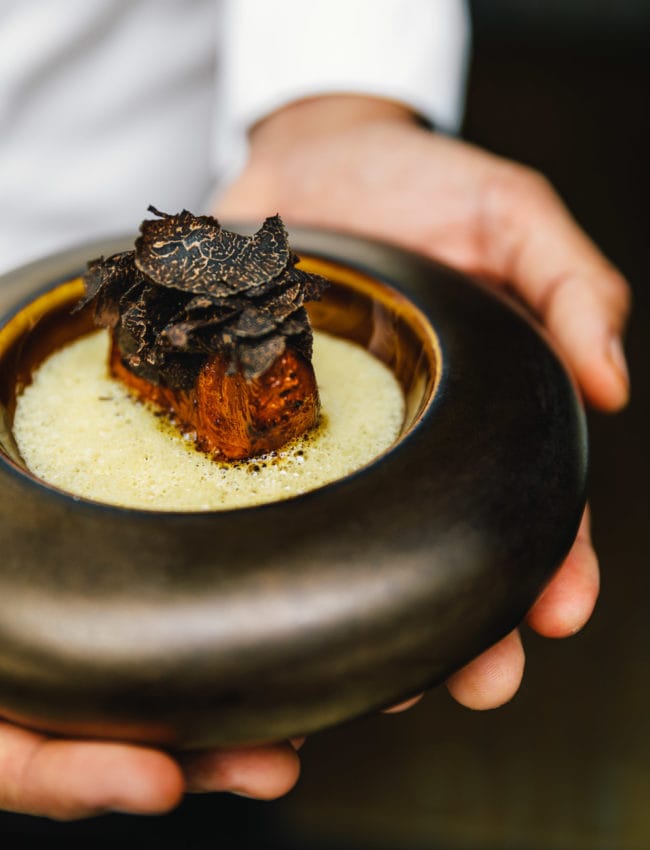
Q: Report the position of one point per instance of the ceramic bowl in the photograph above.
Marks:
(200, 629)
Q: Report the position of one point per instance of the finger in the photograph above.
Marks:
(579, 295)
(263, 772)
(67, 780)
(491, 679)
(568, 601)
(403, 706)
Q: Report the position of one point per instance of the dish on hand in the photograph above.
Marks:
(193, 629)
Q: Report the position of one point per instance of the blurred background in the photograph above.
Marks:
(563, 86)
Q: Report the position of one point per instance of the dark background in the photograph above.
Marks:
(562, 86)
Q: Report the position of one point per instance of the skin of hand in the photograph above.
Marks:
(364, 165)
(68, 779)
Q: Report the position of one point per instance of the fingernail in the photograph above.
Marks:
(617, 358)
(241, 794)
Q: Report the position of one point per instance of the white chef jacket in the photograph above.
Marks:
(107, 106)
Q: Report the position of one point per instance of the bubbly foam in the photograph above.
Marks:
(80, 430)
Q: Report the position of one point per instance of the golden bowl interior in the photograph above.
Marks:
(356, 307)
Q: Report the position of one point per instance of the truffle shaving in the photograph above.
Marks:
(195, 304)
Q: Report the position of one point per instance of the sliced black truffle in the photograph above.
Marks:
(192, 287)
(211, 326)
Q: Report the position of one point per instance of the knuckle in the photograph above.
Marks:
(518, 182)
(621, 292)
(514, 192)
(615, 294)
(531, 185)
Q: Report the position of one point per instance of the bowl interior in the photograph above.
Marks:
(357, 307)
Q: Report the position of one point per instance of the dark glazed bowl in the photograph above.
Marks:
(197, 629)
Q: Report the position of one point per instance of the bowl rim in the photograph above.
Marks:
(363, 282)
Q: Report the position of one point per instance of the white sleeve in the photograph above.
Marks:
(278, 51)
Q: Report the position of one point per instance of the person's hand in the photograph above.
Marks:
(363, 165)
(71, 779)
